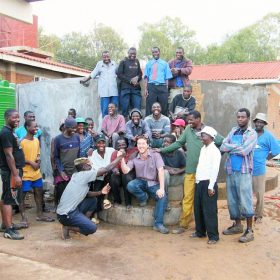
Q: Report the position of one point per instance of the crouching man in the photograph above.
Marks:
(149, 180)
(77, 203)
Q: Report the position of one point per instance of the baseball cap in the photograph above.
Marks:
(179, 122)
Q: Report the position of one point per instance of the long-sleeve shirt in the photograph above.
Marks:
(161, 125)
(111, 124)
(179, 104)
(132, 130)
(185, 69)
(128, 69)
(191, 138)
(208, 164)
(107, 82)
(245, 149)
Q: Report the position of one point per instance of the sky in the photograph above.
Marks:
(212, 20)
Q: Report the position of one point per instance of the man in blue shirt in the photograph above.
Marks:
(21, 131)
(156, 75)
(266, 147)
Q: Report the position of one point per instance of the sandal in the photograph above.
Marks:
(21, 225)
(212, 242)
(45, 219)
(107, 204)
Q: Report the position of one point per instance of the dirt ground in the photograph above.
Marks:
(118, 252)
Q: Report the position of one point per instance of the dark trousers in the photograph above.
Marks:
(158, 94)
(206, 211)
(116, 181)
(58, 191)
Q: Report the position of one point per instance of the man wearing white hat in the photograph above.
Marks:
(206, 189)
(266, 147)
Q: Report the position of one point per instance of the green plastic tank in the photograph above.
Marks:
(7, 99)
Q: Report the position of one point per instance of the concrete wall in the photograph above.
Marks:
(50, 101)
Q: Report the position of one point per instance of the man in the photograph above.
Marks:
(72, 113)
(66, 150)
(182, 104)
(136, 127)
(77, 203)
(181, 68)
(118, 179)
(159, 125)
(156, 75)
(206, 189)
(130, 75)
(149, 180)
(21, 131)
(239, 144)
(101, 157)
(11, 164)
(191, 138)
(267, 147)
(174, 162)
(32, 177)
(107, 83)
(113, 125)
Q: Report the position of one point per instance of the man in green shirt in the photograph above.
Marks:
(191, 138)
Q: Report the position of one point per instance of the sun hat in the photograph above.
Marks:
(261, 117)
(210, 131)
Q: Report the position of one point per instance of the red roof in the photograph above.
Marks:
(237, 71)
(45, 61)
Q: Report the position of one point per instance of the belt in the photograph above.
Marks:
(157, 84)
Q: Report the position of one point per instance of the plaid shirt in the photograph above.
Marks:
(246, 149)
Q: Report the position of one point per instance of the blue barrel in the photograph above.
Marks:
(7, 99)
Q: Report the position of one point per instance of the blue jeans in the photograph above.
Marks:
(140, 189)
(239, 195)
(78, 219)
(130, 97)
(105, 101)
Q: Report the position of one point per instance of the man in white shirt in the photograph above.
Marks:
(206, 188)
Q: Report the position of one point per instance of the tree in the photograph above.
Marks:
(49, 43)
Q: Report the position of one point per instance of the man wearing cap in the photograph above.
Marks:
(182, 104)
(136, 127)
(66, 150)
(113, 125)
(266, 148)
(206, 189)
(156, 75)
(159, 125)
(100, 158)
(178, 127)
(77, 203)
(240, 144)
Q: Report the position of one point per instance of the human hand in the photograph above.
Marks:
(64, 176)
(160, 193)
(146, 93)
(106, 189)
(156, 150)
(89, 152)
(121, 152)
(134, 80)
(211, 192)
(17, 182)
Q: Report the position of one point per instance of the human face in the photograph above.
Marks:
(122, 145)
(30, 117)
(193, 122)
(131, 54)
(70, 130)
(135, 117)
(90, 124)
(155, 53)
(166, 142)
(259, 125)
(72, 114)
(156, 109)
(13, 120)
(80, 128)
(33, 128)
(187, 93)
(206, 139)
(106, 58)
(242, 119)
(179, 54)
(111, 109)
(100, 146)
(142, 146)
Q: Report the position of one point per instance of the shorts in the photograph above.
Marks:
(7, 197)
(28, 185)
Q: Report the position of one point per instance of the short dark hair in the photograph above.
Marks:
(156, 48)
(123, 139)
(73, 110)
(246, 111)
(8, 113)
(132, 49)
(171, 137)
(188, 86)
(195, 114)
(143, 137)
(89, 119)
(105, 52)
(26, 113)
(28, 123)
(181, 48)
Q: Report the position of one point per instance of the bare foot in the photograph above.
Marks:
(65, 232)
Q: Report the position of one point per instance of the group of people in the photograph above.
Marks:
(138, 155)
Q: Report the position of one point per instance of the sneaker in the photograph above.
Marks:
(212, 241)
(161, 228)
(143, 204)
(14, 226)
(196, 235)
(234, 229)
(178, 230)
(12, 234)
(247, 236)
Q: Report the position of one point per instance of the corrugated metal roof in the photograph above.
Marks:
(237, 71)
